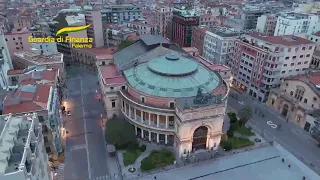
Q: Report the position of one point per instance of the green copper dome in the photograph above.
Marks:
(171, 65)
(172, 75)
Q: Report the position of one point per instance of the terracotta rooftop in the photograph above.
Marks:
(112, 26)
(111, 75)
(132, 38)
(28, 98)
(317, 33)
(286, 40)
(34, 76)
(15, 72)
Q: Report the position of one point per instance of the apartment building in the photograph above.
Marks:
(19, 22)
(164, 15)
(142, 27)
(88, 57)
(296, 97)
(315, 37)
(115, 34)
(219, 44)
(67, 18)
(182, 23)
(250, 15)
(95, 31)
(119, 14)
(197, 38)
(23, 154)
(266, 24)
(6, 63)
(207, 20)
(295, 23)
(260, 62)
(39, 91)
(18, 41)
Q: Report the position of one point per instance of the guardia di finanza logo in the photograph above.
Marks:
(76, 42)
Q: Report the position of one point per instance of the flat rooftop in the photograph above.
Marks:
(259, 164)
(35, 57)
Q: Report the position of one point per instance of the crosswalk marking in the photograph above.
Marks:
(77, 147)
(78, 93)
(106, 177)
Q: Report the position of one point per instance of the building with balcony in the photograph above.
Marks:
(39, 90)
(296, 97)
(166, 94)
(260, 62)
(315, 62)
(219, 44)
(95, 31)
(163, 19)
(119, 14)
(23, 154)
(266, 24)
(295, 23)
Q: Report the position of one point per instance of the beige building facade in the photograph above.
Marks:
(296, 97)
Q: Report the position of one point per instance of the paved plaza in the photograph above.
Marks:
(290, 136)
(259, 164)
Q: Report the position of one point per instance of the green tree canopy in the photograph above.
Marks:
(124, 44)
(119, 132)
(245, 114)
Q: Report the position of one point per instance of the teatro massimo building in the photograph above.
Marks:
(169, 96)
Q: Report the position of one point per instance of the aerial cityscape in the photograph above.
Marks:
(160, 90)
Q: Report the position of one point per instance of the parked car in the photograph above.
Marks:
(69, 113)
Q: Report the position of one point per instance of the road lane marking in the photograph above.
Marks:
(85, 130)
(270, 123)
(77, 147)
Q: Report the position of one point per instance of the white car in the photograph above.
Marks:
(69, 113)
(240, 102)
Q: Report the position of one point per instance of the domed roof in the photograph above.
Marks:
(172, 75)
(171, 65)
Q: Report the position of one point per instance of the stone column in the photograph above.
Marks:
(166, 139)
(157, 120)
(142, 135)
(157, 137)
(135, 127)
(130, 111)
(141, 115)
(167, 122)
(150, 136)
(135, 114)
(125, 108)
(149, 119)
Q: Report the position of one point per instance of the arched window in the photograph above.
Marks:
(143, 99)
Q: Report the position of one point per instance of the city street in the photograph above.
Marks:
(290, 136)
(85, 153)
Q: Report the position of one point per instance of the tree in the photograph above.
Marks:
(124, 44)
(119, 132)
(245, 114)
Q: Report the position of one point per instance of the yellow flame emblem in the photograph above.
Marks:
(72, 29)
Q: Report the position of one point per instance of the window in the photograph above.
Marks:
(305, 100)
(113, 103)
(103, 63)
(48, 149)
(306, 62)
(14, 39)
(301, 56)
(308, 55)
(41, 119)
(287, 58)
(6, 39)
(111, 88)
(285, 65)
(299, 63)
(292, 64)
(45, 139)
(283, 72)
(171, 104)
(123, 88)
(291, 93)
(299, 93)
(143, 99)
